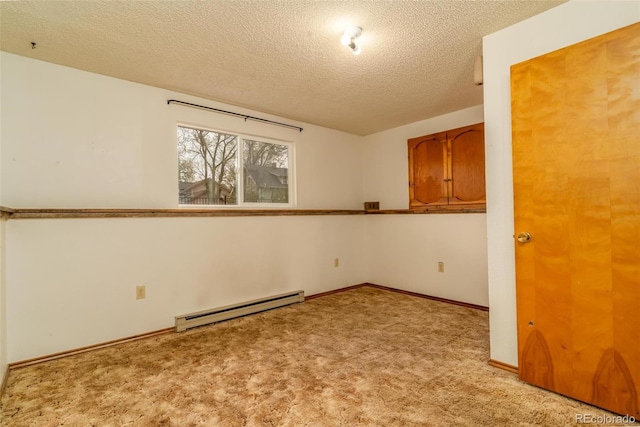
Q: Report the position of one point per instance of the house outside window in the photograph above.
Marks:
(224, 169)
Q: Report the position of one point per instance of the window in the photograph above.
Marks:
(220, 168)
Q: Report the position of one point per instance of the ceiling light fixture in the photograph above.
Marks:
(349, 39)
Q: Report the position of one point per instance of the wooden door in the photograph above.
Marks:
(427, 170)
(576, 170)
(466, 164)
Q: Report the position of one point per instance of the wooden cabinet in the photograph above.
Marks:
(447, 168)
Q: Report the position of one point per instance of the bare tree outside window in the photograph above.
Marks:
(266, 172)
(207, 167)
(212, 165)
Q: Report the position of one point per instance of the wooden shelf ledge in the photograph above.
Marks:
(164, 213)
(432, 210)
(13, 213)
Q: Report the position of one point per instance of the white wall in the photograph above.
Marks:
(559, 27)
(403, 251)
(81, 140)
(71, 282)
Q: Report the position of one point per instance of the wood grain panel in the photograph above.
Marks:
(447, 168)
(468, 165)
(524, 177)
(623, 97)
(613, 385)
(576, 165)
(590, 209)
(536, 363)
(427, 160)
(550, 216)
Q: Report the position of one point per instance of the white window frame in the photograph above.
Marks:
(241, 204)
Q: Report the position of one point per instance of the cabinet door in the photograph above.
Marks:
(427, 170)
(466, 165)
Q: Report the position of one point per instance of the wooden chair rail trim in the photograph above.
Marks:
(5, 212)
(11, 213)
(438, 209)
(165, 213)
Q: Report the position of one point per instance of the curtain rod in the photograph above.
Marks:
(231, 113)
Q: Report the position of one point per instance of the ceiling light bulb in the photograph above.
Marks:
(353, 32)
(349, 37)
(357, 50)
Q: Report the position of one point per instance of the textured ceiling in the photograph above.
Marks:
(281, 57)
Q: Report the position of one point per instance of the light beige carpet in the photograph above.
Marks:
(363, 357)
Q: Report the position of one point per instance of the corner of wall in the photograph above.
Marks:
(3, 304)
(3, 307)
(414, 244)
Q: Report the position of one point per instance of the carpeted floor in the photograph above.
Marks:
(363, 357)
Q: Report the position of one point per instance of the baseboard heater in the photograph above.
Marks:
(206, 317)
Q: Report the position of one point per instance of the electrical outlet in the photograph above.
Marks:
(440, 267)
(141, 292)
(336, 262)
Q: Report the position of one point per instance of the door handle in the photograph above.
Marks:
(524, 237)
